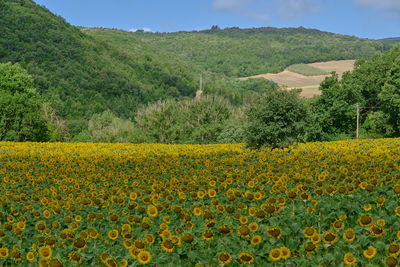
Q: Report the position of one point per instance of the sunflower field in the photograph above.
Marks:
(313, 204)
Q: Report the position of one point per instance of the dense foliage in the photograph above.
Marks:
(332, 204)
(276, 119)
(20, 107)
(82, 75)
(245, 52)
(374, 84)
(187, 121)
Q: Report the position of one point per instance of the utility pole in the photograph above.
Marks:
(358, 118)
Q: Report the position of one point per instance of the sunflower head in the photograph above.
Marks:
(45, 252)
(246, 258)
(224, 258)
(349, 258)
(310, 247)
(144, 257)
(275, 254)
(330, 238)
(285, 252)
(255, 240)
(376, 230)
(370, 252)
(349, 235)
(274, 232)
(365, 220)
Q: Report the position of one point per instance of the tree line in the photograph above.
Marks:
(268, 116)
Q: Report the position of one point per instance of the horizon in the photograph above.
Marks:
(361, 18)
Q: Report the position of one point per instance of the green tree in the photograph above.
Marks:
(390, 97)
(108, 128)
(185, 121)
(20, 107)
(277, 119)
(334, 110)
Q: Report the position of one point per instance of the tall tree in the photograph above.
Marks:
(20, 106)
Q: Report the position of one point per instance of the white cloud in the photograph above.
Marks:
(144, 29)
(390, 6)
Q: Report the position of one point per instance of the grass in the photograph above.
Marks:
(306, 70)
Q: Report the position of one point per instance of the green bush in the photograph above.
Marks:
(277, 119)
(185, 121)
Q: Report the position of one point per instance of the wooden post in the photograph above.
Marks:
(358, 118)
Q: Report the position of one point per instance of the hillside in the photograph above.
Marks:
(392, 40)
(235, 52)
(80, 74)
(306, 76)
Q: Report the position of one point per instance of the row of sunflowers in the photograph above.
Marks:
(313, 204)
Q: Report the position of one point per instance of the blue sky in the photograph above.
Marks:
(363, 18)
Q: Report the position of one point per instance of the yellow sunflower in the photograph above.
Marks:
(330, 238)
(45, 252)
(225, 230)
(376, 230)
(144, 257)
(152, 211)
(349, 259)
(310, 247)
(208, 235)
(370, 252)
(79, 243)
(367, 207)
(253, 226)
(338, 225)
(224, 258)
(188, 238)
(285, 252)
(274, 232)
(394, 249)
(113, 234)
(365, 220)
(309, 231)
(167, 245)
(391, 262)
(397, 211)
(275, 254)
(243, 231)
(349, 235)
(246, 258)
(30, 256)
(316, 238)
(255, 240)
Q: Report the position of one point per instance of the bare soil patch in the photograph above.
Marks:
(309, 84)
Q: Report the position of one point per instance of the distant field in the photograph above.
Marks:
(295, 76)
(306, 70)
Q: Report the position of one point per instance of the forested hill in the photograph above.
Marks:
(238, 52)
(392, 40)
(80, 74)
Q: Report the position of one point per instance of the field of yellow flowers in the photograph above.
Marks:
(329, 204)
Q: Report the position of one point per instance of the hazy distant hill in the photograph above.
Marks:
(392, 40)
(242, 52)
